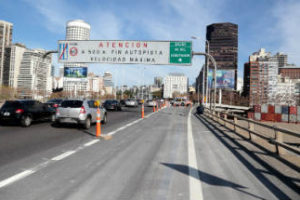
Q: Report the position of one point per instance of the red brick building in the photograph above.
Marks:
(291, 72)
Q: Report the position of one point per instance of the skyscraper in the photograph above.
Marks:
(222, 44)
(261, 78)
(5, 41)
(12, 63)
(76, 30)
(34, 80)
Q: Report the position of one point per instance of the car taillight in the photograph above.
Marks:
(18, 111)
(55, 105)
(82, 110)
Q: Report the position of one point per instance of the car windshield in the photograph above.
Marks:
(71, 104)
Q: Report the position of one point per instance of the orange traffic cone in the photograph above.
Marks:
(98, 123)
(142, 111)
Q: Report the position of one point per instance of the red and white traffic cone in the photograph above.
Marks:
(142, 111)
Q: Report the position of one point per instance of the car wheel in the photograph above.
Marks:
(104, 121)
(26, 121)
(87, 123)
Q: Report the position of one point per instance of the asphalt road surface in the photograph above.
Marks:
(170, 154)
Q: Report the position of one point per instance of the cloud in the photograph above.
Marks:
(287, 28)
(174, 20)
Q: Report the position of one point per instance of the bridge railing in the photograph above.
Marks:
(277, 140)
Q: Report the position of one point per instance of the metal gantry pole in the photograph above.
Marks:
(214, 74)
(207, 70)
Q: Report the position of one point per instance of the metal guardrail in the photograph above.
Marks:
(277, 140)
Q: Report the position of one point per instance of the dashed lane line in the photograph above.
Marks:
(62, 156)
(91, 142)
(15, 178)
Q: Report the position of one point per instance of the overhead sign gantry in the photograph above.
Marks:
(125, 52)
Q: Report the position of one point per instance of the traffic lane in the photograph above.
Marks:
(23, 147)
(117, 119)
(228, 171)
(130, 166)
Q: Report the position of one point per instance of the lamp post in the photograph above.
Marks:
(214, 74)
(205, 71)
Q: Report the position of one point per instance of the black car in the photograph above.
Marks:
(54, 103)
(25, 112)
(112, 105)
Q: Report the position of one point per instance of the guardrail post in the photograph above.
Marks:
(279, 138)
(234, 122)
(251, 128)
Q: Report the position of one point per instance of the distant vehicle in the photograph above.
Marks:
(131, 103)
(151, 103)
(83, 112)
(179, 101)
(54, 103)
(112, 104)
(122, 102)
(25, 112)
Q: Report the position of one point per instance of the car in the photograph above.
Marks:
(82, 112)
(131, 103)
(122, 102)
(151, 103)
(25, 112)
(112, 104)
(54, 103)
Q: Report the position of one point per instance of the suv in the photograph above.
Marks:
(25, 111)
(83, 112)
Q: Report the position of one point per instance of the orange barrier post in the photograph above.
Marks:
(142, 111)
(156, 106)
(98, 123)
(153, 108)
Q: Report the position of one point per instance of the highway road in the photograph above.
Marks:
(171, 154)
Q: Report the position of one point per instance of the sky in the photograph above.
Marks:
(270, 24)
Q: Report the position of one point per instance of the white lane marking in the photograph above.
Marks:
(123, 127)
(196, 192)
(59, 157)
(91, 142)
(16, 178)
(62, 156)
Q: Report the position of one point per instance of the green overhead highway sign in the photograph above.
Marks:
(181, 52)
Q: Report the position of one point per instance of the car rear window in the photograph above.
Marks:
(54, 101)
(71, 104)
(12, 104)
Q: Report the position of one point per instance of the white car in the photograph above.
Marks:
(151, 103)
(131, 103)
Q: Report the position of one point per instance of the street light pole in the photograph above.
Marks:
(214, 74)
(204, 71)
(207, 69)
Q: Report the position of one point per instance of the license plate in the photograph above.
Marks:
(6, 114)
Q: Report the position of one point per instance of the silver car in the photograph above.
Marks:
(83, 112)
(131, 103)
